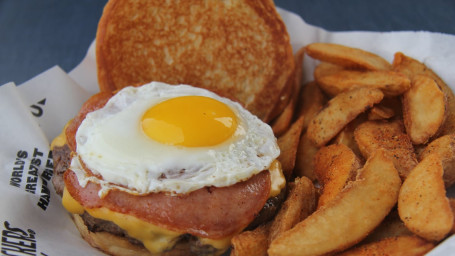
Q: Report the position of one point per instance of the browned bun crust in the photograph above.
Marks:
(120, 246)
(240, 48)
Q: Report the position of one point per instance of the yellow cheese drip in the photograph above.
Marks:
(277, 178)
(60, 140)
(154, 238)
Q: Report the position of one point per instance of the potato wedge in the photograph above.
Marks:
(312, 100)
(251, 243)
(411, 68)
(282, 122)
(396, 246)
(379, 112)
(391, 226)
(452, 206)
(325, 69)
(334, 166)
(372, 135)
(289, 143)
(345, 56)
(346, 136)
(304, 162)
(291, 96)
(346, 220)
(423, 109)
(445, 147)
(339, 111)
(422, 202)
(299, 204)
(391, 83)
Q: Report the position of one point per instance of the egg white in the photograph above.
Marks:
(111, 143)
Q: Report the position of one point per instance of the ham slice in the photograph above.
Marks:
(208, 212)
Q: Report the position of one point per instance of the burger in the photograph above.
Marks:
(162, 169)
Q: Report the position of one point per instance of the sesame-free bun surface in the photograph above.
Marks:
(239, 49)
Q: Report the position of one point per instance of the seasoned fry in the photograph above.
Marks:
(422, 202)
(397, 246)
(324, 69)
(391, 226)
(346, 56)
(356, 211)
(346, 136)
(304, 162)
(283, 121)
(251, 243)
(289, 143)
(339, 111)
(384, 113)
(312, 100)
(379, 112)
(373, 135)
(445, 147)
(334, 166)
(299, 204)
(411, 68)
(452, 206)
(423, 109)
(389, 82)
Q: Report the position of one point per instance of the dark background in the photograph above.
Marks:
(36, 35)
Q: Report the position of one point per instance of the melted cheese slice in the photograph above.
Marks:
(154, 238)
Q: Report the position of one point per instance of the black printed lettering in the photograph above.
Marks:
(16, 241)
(22, 154)
(47, 174)
(37, 110)
(16, 174)
(35, 162)
(16, 182)
(32, 179)
(36, 153)
(31, 188)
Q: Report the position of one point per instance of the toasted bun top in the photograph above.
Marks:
(239, 49)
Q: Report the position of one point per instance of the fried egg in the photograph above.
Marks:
(171, 138)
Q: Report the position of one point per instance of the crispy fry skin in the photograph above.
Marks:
(343, 222)
(345, 56)
(423, 109)
(422, 202)
(445, 147)
(304, 162)
(397, 246)
(390, 136)
(334, 166)
(288, 144)
(312, 100)
(379, 112)
(346, 136)
(324, 69)
(251, 243)
(299, 204)
(339, 111)
(389, 82)
(284, 120)
(412, 68)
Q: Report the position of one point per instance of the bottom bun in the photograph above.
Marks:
(120, 246)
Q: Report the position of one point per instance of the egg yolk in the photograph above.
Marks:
(191, 121)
